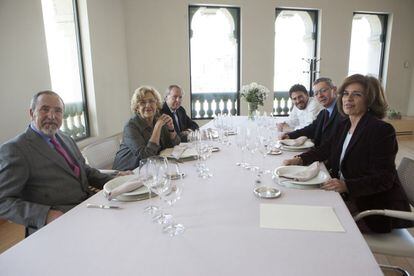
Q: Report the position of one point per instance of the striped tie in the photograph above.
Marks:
(75, 168)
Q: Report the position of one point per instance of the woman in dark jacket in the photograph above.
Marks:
(362, 155)
(146, 133)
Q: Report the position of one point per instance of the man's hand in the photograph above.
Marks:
(52, 215)
(280, 126)
(283, 136)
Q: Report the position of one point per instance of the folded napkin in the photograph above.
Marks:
(179, 152)
(306, 174)
(126, 187)
(294, 142)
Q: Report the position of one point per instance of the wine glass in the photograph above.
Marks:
(147, 170)
(170, 197)
(241, 143)
(162, 183)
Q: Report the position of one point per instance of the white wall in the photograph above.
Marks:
(23, 63)
(24, 68)
(135, 42)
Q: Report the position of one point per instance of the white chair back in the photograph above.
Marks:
(101, 154)
(406, 175)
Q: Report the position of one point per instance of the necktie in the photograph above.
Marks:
(326, 118)
(75, 168)
(177, 121)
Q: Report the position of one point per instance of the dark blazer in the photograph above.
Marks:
(368, 167)
(317, 131)
(136, 145)
(35, 178)
(184, 120)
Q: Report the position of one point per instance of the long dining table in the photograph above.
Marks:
(222, 237)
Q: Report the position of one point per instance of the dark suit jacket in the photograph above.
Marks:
(317, 131)
(184, 120)
(35, 178)
(368, 167)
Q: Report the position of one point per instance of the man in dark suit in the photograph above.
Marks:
(172, 107)
(42, 172)
(326, 123)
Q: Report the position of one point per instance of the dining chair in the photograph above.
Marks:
(399, 242)
(101, 154)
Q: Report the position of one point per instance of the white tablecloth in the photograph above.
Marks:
(223, 236)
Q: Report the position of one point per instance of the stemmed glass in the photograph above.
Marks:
(162, 183)
(241, 143)
(170, 197)
(204, 151)
(148, 170)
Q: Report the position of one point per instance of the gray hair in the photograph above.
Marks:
(326, 80)
(33, 102)
(168, 90)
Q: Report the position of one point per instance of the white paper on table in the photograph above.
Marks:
(299, 217)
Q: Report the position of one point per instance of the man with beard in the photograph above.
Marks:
(42, 172)
(326, 123)
(305, 109)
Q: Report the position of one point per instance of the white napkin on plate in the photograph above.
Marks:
(306, 174)
(294, 142)
(126, 187)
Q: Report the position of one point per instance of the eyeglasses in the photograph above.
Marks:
(322, 90)
(352, 94)
(145, 102)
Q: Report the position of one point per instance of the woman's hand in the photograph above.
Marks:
(164, 119)
(335, 185)
(294, 161)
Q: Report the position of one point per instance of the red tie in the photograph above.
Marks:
(75, 168)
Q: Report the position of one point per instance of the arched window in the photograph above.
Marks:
(295, 53)
(214, 60)
(367, 44)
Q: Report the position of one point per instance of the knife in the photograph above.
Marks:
(102, 206)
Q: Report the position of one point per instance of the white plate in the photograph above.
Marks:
(322, 176)
(138, 194)
(308, 144)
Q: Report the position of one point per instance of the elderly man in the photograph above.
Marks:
(305, 108)
(172, 107)
(42, 172)
(326, 123)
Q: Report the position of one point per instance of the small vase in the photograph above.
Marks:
(252, 108)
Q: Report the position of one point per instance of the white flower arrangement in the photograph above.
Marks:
(254, 93)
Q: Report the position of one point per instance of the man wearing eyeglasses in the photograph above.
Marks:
(304, 111)
(183, 125)
(326, 123)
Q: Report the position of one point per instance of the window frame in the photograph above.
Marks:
(237, 12)
(81, 69)
(383, 18)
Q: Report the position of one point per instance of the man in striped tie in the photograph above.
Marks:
(42, 172)
(327, 121)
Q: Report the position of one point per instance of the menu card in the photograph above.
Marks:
(299, 217)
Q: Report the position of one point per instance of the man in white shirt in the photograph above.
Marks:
(304, 111)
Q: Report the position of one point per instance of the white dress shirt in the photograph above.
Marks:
(300, 118)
